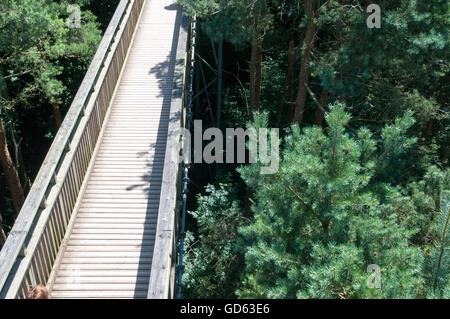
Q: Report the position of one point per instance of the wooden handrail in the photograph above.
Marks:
(162, 279)
(33, 243)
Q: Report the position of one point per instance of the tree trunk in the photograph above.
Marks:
(248, 202)
(20, 163)
(219, 81)
(10, 170)
(256, 72)
(2, 232)
(321, 110)
(57, 115)
(289, 90)
(252, 80)
(312, 11)
(325, 225)
(429, 128)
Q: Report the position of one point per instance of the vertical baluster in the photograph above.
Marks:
(56, 214)
(73, 189)
(40, 265)
(48, 260)
(83, 155)
(48, 245)
(98, 124)
(76, 169)
(87, 150)
(51, 230)
(34, 274)
(63, 198)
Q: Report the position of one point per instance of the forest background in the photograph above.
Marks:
(364, 120)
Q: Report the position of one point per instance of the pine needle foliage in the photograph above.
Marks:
(326, 216)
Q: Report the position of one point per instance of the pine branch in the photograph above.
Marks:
(300, 199)
(16, 74)
(443, 243)
(273, 256)
(325, 222)
(313, 96)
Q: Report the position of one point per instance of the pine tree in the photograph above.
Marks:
(325, 217)
(437, 262)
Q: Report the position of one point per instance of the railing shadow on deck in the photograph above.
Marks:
(169, 90)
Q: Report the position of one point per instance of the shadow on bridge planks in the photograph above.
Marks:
(165, 73)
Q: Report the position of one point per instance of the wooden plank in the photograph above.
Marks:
(119, 221)
(106, 237)
(118, 212)
(104, 261)
(123, 230)
(129, 173)
(143, 199)
(99, 287)
(112, 191)
(111, 242)
(103, 249)
(118, 191)
(108, 254)
(118, 170)
(106, 267)
(97, 213)
(84, 274)
(102, 280)
(124, 179)
(98, 294)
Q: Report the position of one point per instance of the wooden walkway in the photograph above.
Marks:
(107, 250)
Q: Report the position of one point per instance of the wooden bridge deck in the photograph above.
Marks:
(107, 250)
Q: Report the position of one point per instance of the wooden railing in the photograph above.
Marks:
(31, 248)
(162, 275)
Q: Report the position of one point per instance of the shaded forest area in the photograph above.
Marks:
(42, 64)
(363, 181)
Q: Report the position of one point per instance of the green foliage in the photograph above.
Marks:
(366, 189)
(437, 262)
(383, 72)
(273, 82)
(42, 63)
(36, 41)
(233, 20)
(325, 217)
(213, 263)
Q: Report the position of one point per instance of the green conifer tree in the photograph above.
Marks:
(325, 217)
